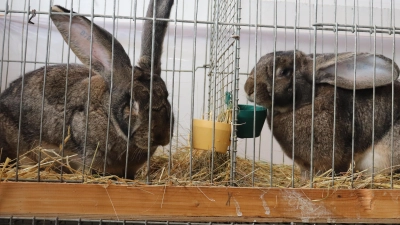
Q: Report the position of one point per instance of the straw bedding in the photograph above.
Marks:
(177, 171)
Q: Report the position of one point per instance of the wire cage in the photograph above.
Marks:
(213, 62)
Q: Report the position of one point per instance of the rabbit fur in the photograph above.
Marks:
(124, 137)
(302, 81)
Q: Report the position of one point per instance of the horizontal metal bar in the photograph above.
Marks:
(358, 26)
(28, 61)
(362, 29)
(54, 63)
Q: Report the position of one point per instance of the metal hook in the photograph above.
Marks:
(33, 12)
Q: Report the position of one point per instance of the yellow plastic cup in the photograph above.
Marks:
(202, 135)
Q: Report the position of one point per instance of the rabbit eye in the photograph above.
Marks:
(286, 72)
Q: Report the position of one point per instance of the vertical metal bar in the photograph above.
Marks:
(255, 96)
(62, 43)
(36, 45)
(310, 24)
(285, 30)
(179, 79)
(248, 69)
(193, 87)
(382, 26)
(211, 61)
(144, 8)
(392, 24)
(111, 91)
(335, 97)
(166, 72)
(294, 92)
(255, 114)
(3, 47)
(261, 29)
(132, 81)
(8, 44)
(79, 11)
(88, 90)
(354, 105)
(22, 89)
(298, 23)
(273, 92)
(371, 21)
(151, 91)
(373, 114)
(173, 90)
(235, 94)
(104, 19)
(116, 33)
(205, 62)
(66, 90)
(358, 15)
(44, 87)
(216, 18)
(313, 96)
(294, 50)
(345, 21)
(322, 21)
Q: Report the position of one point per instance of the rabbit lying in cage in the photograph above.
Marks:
(109, 74)
(324, 111)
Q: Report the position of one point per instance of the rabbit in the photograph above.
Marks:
(302, 80)
(119, 84)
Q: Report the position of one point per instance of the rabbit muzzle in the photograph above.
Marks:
(162, 125)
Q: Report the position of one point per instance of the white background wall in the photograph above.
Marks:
(380, 13)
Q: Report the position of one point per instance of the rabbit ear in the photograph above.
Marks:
(77, 30)
(163, 10)
(79, 33)
(364, 70)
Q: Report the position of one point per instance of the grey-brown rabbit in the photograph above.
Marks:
(285, 77)
(102, 82)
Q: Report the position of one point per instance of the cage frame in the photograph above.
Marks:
(194, 203)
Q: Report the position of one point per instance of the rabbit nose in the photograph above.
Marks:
(162, 127)
(250, 97)
(161, 137)
(135, 108)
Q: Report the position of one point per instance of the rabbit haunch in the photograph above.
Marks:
(129, 114)
(300, 80)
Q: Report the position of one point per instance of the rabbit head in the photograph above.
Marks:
(297, 68)
(284, 75)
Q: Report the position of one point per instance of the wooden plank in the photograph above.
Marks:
(172, 203)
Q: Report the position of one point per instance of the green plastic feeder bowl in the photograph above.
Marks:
(245, 119)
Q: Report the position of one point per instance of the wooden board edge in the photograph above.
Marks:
(192, 203)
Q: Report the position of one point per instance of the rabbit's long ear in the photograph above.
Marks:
(80, 37)
(364, 70)
(163, 10)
